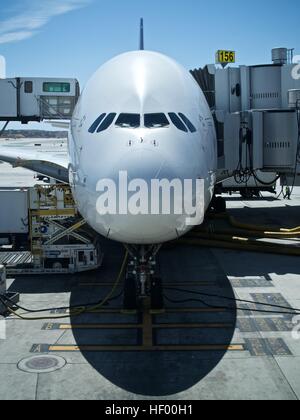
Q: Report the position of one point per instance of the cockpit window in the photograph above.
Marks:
(177, 122)
(129, 121)
(188, 123)
(96, 124)
(107, 122)
(156, 121)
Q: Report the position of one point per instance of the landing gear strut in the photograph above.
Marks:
(141, 286)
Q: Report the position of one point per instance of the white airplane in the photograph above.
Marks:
(142, 113)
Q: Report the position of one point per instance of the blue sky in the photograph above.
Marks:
(72, 38)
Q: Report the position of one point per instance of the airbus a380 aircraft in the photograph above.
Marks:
(143, 114)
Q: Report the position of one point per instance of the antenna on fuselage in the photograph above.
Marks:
(142, 35)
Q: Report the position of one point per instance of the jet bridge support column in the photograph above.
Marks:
(13, 297)
(4, 128)
(2, 280)
(265, 140)
(257, 116)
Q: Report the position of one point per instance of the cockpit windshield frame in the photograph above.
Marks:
(187, 122)
(156, 120)
(107, 122)
(96, 124)
(128, 120)
(149, 121)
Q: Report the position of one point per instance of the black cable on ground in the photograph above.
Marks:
(4, 298)
(296, 311)
(77, 310)
(229, 308)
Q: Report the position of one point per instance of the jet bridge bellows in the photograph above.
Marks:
(257, 115)
(36, 99)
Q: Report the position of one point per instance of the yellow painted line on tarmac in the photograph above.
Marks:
(100, 326)
(145, 348)
(195, 310)
(193, 326)
(147, 327)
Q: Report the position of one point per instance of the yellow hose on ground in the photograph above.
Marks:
(228, 238)
(297, 229)
(80, 309)
(244, 237)
(112, 292)
(250, 234)
(254, 228)
(279, 250)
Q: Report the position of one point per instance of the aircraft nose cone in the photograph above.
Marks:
(138, 203)
(143, 164)
(147, 226)
(144, 230)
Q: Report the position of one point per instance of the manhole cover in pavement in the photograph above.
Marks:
(41, 364)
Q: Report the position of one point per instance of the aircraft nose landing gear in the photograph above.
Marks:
(142, 288)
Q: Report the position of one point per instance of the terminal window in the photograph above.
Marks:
(56, 87)
(60, 106)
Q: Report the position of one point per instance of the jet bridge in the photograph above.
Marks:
(35, 99)
(257, 116)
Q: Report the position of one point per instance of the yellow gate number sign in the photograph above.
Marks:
(225, 57)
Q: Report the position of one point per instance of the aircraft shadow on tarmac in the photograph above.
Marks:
(156, 368)
(163, 372)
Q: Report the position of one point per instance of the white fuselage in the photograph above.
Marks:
(141, 83)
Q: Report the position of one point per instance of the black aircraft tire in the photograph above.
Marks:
(130, 294)
(157, 298)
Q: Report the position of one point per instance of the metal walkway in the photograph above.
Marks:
(12, 259)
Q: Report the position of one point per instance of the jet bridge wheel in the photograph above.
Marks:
(249, 193)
